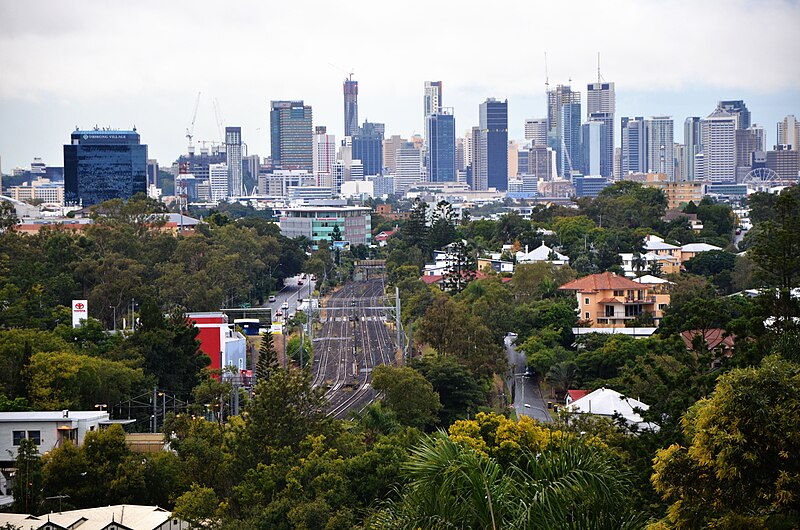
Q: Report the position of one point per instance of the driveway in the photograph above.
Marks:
(524, 390)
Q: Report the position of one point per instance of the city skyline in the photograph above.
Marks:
(101, 69)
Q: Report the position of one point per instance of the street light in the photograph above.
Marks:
(101, 407)
(114, 308)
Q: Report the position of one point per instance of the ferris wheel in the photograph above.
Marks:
(761, 178)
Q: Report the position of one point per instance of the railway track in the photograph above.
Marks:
(354, 340)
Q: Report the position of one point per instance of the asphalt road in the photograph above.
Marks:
(291, 293)
(524, 390)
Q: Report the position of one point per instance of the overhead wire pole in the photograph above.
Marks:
(397, 325)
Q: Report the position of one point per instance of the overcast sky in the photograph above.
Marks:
(118, 64)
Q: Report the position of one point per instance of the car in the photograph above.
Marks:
(278, 313)
(313, 278)
(299, 282)
(300, 301)
(528, 373)
(272, 298)
(527, 406)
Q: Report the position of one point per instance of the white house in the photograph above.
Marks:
(48, 429)
(610, 403)
(119, 517)
(542, 253)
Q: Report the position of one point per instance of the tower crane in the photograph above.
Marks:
(190, 129)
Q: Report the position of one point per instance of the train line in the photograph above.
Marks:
(354, 340)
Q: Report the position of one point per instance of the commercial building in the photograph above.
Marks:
(279, 182)
(738, 109)
(218, 181)
(390, 147)
(367, 146)
(586, 186)
(789, 132)
(692, 145)
(219, 339)
(104, 164)
(318, 223)
(440, 156)
(492, 171)
(41, 189)
(47, 429)
(660, 145)
(291, 135)
(748, 141)
(408, 167)
(350, 88)
(634, 145)
(601, 106)
(233, 147)
(785, 163)
(324, 150)
(432, 102)
(536, 131)
(719, 147)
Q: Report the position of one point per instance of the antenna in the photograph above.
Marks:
(599, 77)
(546, 76)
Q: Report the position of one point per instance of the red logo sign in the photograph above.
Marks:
(79, 306)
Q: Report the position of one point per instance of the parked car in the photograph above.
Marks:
(272, 298)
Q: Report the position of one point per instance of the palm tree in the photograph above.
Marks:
(453, 486)
(562, 375)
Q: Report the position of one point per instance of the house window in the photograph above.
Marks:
(18, 437)
(586, 315)
(619, 293)
(662, 307)
(35, 436)
(585, 301)
(609, 310)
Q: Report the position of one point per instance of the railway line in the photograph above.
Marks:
(354, 340)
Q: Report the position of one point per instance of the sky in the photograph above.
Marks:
(120, 64)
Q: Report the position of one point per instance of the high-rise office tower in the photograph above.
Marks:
(513, 159)
(350, 106)
(600, 97)
(493, 132)
(461, 154)
(692, 144)
(679, 162)
(606, 142)
(569, 149)
(784, 162)
(408, 167)
(218, 181)
(152, 172)
(592, 133)
(536, 130)
(233, 146)
(748, 141)
(789, 132)
(390, 147)
(290, 135)
(478, 178)
(324, 150)
(540, 162)
(104, 164)
(440, 155)
(634, 146)
(660, 146)
(433, 97)
(368, 147)
(738, 108)
(719, 147)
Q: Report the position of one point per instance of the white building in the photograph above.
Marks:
(317, 223)
(542, 254)
(49, 429)
(789, 132)
(536, 131)
(218, 181)
(612, 404)
(408, 167)
(324, 150)
(118, 517)
(40, 189)
(661, 146)
(718, 131)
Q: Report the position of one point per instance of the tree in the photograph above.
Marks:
(415, 228)
(267, 361)
(458, 389)
(8, 216)
(28, 486)
(740, 451)
(462, 268)
(408, 394)
(336, 234)
(198, 507)
(442, 231)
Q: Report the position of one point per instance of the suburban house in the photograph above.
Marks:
(495, 264)
(119, 517)
(691, 250)
(542, 254)
(612, 404)
(48, 429)
(219, 340)
(382, 238)
(633, 264)
(718, 343)
(609, 300)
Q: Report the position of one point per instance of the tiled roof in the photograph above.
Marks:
(714, 338)
(602, 281)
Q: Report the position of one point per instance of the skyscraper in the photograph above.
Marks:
(606, 141)
(692, 144)
(440, 156)
(433, 97)
(536, 131)
(600, 97)
(789, 132)
(748, 141)
(350, 106)
(592, 133)
(660, 146)
(233, 146)
(493, 167)
(368, 147)
(738, 108)
(104, 164)
(290, 135)
(390, 147)
(601, 105)
(408, 164)
(634, 146)
(569, 149)
(324, 150)
(557, 101)
(719, 147)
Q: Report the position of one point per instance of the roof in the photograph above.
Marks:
(541, 253)
(575, 395)
(650, 279)
(132, 516)
(608, 402)
(602, 281)
(53, 415)
(609, 300)
(698, 247)
(436, 278)
(714, 337)
(654, 244)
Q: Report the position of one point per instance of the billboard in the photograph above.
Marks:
(80, 311)
(276, 329)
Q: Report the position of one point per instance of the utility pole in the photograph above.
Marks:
(155, 410)
(397, 323)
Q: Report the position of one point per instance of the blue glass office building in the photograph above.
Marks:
(440, 158)
(493, 119)
(368, 147)
(104, 164)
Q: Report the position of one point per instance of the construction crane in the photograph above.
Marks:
(220, 121)
(190, 129)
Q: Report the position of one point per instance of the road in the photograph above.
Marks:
(354, 339)
(291, 293)
(524, 390)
